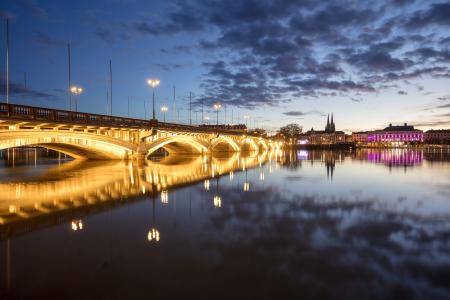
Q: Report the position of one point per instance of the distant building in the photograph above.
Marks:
(360, 137)
(329, 136)
(441, 136)
(395, 135)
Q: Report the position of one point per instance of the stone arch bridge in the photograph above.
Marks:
(93, 136)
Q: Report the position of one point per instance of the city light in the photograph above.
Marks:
(164, 109)
(76, 90)
(165, 197)
(217, 107)
(217, 201)
(246, 186)
(76, 225)
(206, 184)
(153, 83)
(153, 235)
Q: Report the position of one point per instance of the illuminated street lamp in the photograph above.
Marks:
(217, 107)
(207, 119)
(164, 109)
(153, 83)
(246, 118)
(76, 90)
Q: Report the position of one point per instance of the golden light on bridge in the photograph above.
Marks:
(246, 186)
(153, 235)
(217, 201)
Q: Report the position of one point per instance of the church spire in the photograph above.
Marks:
(332, 126)
(327, 128)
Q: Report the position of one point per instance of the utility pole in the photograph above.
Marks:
(174, 107)
(70, 93)
(107, 101)
(110, 87)
(7, 60)
(225, 107)
(25, 80)
(202, 111)
(128, 106)
(232, 117)
(190, 108)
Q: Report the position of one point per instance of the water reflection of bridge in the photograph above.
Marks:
(76, 188)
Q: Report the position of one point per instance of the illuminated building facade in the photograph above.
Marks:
(441, 136)
(360, 137)
(395, 135)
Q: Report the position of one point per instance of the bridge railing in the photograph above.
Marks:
(31, 113)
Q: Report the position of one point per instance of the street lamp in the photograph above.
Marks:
(164, 109)
(246, 118)
(207, 120)
(153, 83)
(217, 107)
(76, 90)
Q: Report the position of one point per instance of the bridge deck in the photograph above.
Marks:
(29, 114)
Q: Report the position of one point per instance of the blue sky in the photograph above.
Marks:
(368, 62)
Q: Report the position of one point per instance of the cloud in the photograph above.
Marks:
(46, 40)
(402, 93)
(437, 14)
(176, 50)
(443, 106)
(20, 90)
(106, 35)
(33, 7)
(293, 113)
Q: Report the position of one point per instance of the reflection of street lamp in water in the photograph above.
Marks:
(153, 234)
(76, 225)
(165, 197)
(217, 201)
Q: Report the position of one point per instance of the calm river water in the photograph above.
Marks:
(368, 224)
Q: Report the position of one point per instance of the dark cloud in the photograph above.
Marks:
(46, 40)
(20, 90)
(443, 106)
(437, 14)
(106, 35)
(402, 93)
(270, 52)
(294, 113)
(177, 50)
(33, 8)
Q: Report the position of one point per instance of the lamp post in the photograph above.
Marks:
(76, 90)
(246, 118)
(217, 107)
(164, 109)
(207, 120)
(153, 83)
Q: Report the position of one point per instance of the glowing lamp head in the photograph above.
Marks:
(76, 90)
(153, 82)
(217, 105)
(164, 108)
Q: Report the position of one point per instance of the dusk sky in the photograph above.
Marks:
(369, 62)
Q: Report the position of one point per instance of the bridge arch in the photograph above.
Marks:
(248, 144)
(74, 144)
(178, 144)
(224, 144)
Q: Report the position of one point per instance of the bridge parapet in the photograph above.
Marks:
(99, 136)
